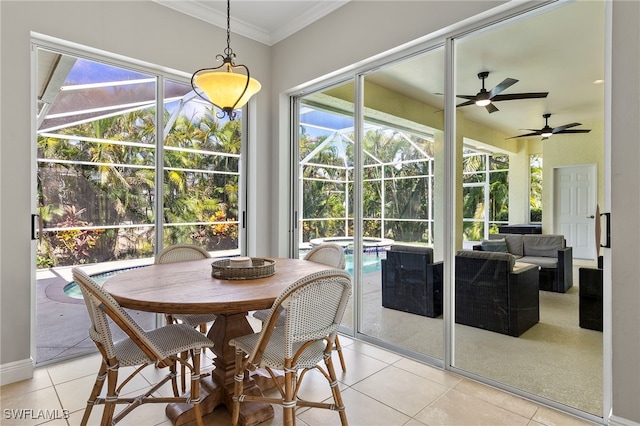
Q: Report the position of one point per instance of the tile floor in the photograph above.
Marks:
(379, 388)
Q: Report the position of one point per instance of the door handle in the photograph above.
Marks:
(607, 228)
(591, 217)
(36, 227)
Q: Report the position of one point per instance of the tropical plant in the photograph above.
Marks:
(107, 166)
(75, 243)
(535, 191)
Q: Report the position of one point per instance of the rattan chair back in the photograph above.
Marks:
(313, 306)
(180, 253)
(330, 254)
(162, 347)
(101, 306)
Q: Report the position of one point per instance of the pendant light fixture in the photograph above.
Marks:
(224, 86)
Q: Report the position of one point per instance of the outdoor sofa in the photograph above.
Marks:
(548, 251)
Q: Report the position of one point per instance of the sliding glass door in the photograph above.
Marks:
(325, 174)
(400, 183)
(521, 326)
(526, 89)
(123, 170)
(402, 151)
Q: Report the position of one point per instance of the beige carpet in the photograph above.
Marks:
(555, 359)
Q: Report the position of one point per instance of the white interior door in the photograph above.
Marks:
(575, 207)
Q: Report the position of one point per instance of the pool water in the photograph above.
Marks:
(72, 289)
(370, 262)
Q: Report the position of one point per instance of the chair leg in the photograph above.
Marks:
(335, 389)
(195, 387)
(112, 396)
(183, 372)
(95, 392)
(289, 402)
(238, 386)
(339, 350)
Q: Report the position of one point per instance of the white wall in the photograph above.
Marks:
(138, 29)
(625, 209)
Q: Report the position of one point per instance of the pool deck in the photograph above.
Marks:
(62, 322)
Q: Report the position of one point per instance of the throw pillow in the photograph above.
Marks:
(499, 245)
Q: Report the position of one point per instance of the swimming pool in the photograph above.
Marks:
(370, 262)
(72, 289)
(369, 244)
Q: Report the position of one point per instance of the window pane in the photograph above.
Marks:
(473, 202)
(499, 196)
(535, 195)
(201, 174)
(498, 162)
(474, 163)
(96, 157)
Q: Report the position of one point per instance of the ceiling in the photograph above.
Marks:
(559, 50)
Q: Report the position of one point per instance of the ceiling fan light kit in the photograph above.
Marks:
(547, 131)
(228, 86)
(486, 98)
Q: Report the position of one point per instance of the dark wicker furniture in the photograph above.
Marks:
(548, 251)
(493, 293)
(411, 281)
(590, 310)
(520, 229)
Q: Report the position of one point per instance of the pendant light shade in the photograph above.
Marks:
(228, 86)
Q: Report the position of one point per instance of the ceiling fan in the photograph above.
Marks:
(486, 98)
(547, 130)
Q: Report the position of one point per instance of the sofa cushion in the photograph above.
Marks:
(519, 266)
(499, 245)
(488, 255)
(543, 262)
(546, 245)
(514, 242)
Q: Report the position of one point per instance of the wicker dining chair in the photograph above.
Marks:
(328, 254)
(180, 253)
(314, 308)
(162, 347)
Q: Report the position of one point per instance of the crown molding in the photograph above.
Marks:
(202, 10)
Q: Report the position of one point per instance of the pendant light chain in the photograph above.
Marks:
(228, 51)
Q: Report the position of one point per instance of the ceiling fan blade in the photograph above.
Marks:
(514, 96)
(466, 103)
(566, 126)
(491, 108)
(506, 83)
(535, 133)
(573, 131)
(468, 97)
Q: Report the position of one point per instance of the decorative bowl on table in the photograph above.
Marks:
(243, 268)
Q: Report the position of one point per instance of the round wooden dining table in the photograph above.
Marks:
(188, 287)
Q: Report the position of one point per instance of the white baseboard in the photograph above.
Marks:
(16, 371)
(621, 421)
